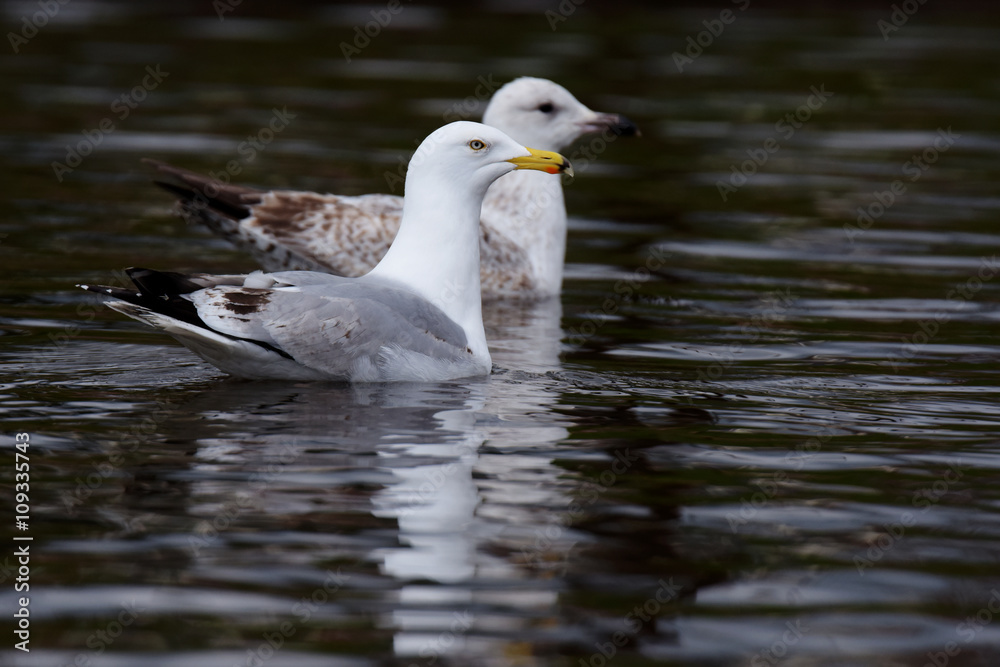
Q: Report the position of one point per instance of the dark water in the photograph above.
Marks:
(761, 428)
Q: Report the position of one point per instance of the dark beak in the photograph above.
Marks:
(615, 122)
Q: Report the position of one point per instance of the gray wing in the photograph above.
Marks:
(347, 330)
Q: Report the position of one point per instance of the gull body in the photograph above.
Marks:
(416, 316)
(522, 236)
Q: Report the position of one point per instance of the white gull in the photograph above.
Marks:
(523, 232)
(416, 316)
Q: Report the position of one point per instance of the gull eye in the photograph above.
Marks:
(546, 107)
(477, 144)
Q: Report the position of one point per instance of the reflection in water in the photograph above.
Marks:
(749, 423)
(429, 478)
(524, 336)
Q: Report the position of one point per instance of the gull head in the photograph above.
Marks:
(545, 115)
(471, 155)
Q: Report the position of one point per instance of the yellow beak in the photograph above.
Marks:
(546, 161)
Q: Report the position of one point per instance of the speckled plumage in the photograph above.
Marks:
(523, 221)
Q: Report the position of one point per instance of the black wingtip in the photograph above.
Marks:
(162, 292)
(161, 283)
(129, 295)
(204, 192)
(158, 291)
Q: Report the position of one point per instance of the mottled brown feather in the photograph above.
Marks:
(347, 236)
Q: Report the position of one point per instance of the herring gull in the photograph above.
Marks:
(416, 316)
(523, 233)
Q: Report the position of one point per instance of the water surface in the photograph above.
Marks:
(759, 428)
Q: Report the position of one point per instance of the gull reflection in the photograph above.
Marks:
(442, 486)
